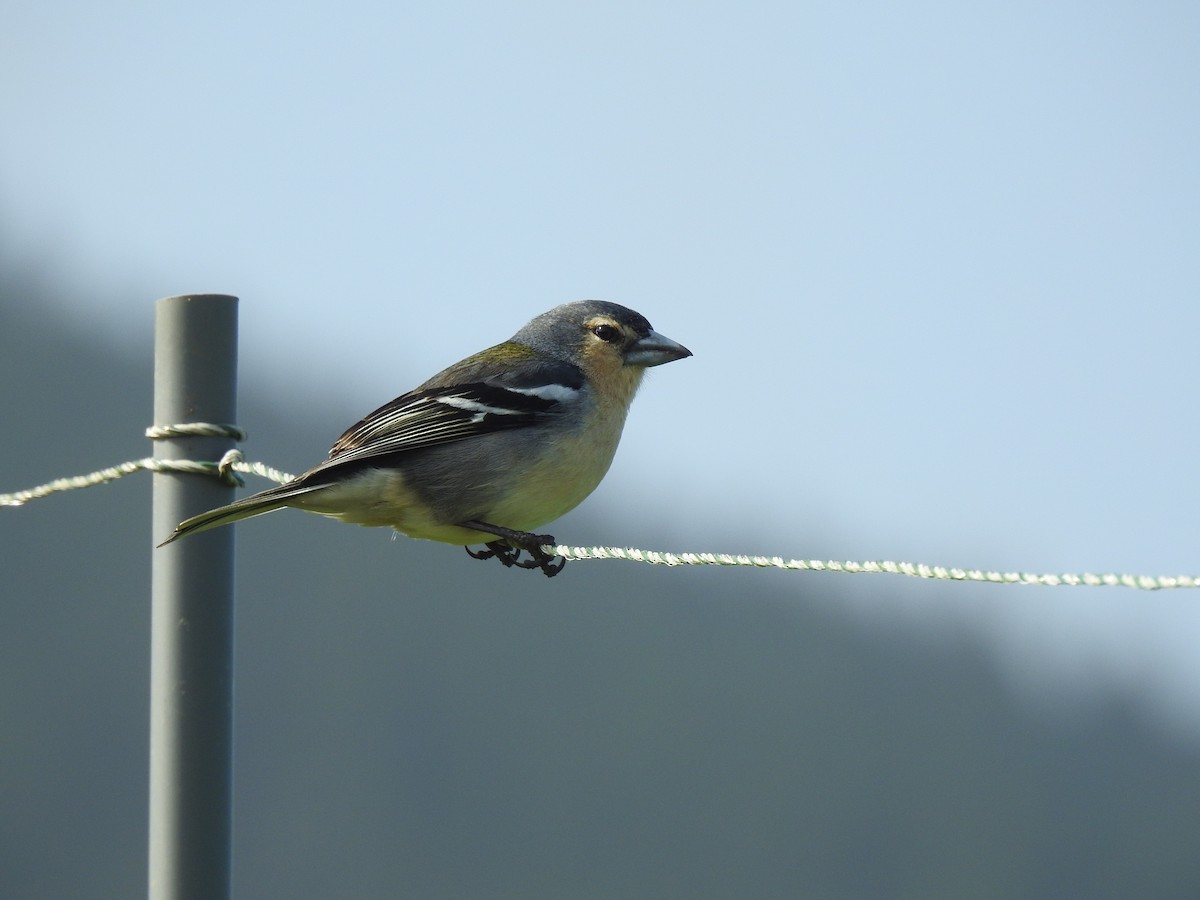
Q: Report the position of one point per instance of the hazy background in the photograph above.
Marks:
(938, 266)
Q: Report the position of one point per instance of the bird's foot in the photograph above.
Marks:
(508, 549)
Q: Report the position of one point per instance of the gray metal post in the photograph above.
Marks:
(191, 677)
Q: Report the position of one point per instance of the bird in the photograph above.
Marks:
(492, 447)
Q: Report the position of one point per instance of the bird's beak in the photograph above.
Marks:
(653, 350)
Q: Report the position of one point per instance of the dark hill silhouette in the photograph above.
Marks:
(410, 722)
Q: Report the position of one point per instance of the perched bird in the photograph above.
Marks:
(496, 445)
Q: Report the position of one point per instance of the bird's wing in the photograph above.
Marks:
(436, 415)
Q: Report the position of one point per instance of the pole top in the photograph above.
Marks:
(202, 298)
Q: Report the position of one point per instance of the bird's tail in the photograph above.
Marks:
(246, 508)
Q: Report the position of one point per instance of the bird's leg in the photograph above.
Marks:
(508, 549)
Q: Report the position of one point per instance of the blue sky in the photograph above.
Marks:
(938, 262)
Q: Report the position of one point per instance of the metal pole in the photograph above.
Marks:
(191, 659)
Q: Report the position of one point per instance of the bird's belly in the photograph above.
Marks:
(547, 489)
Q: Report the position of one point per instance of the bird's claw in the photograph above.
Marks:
(508, 551)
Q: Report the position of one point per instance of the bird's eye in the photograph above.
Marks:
(610, 334)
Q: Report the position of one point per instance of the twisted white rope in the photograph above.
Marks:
(227, 467)
(233, 462)
(913, 570)
(229, 464)
(194, 429)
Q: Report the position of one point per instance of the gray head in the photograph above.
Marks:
(576, 332)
